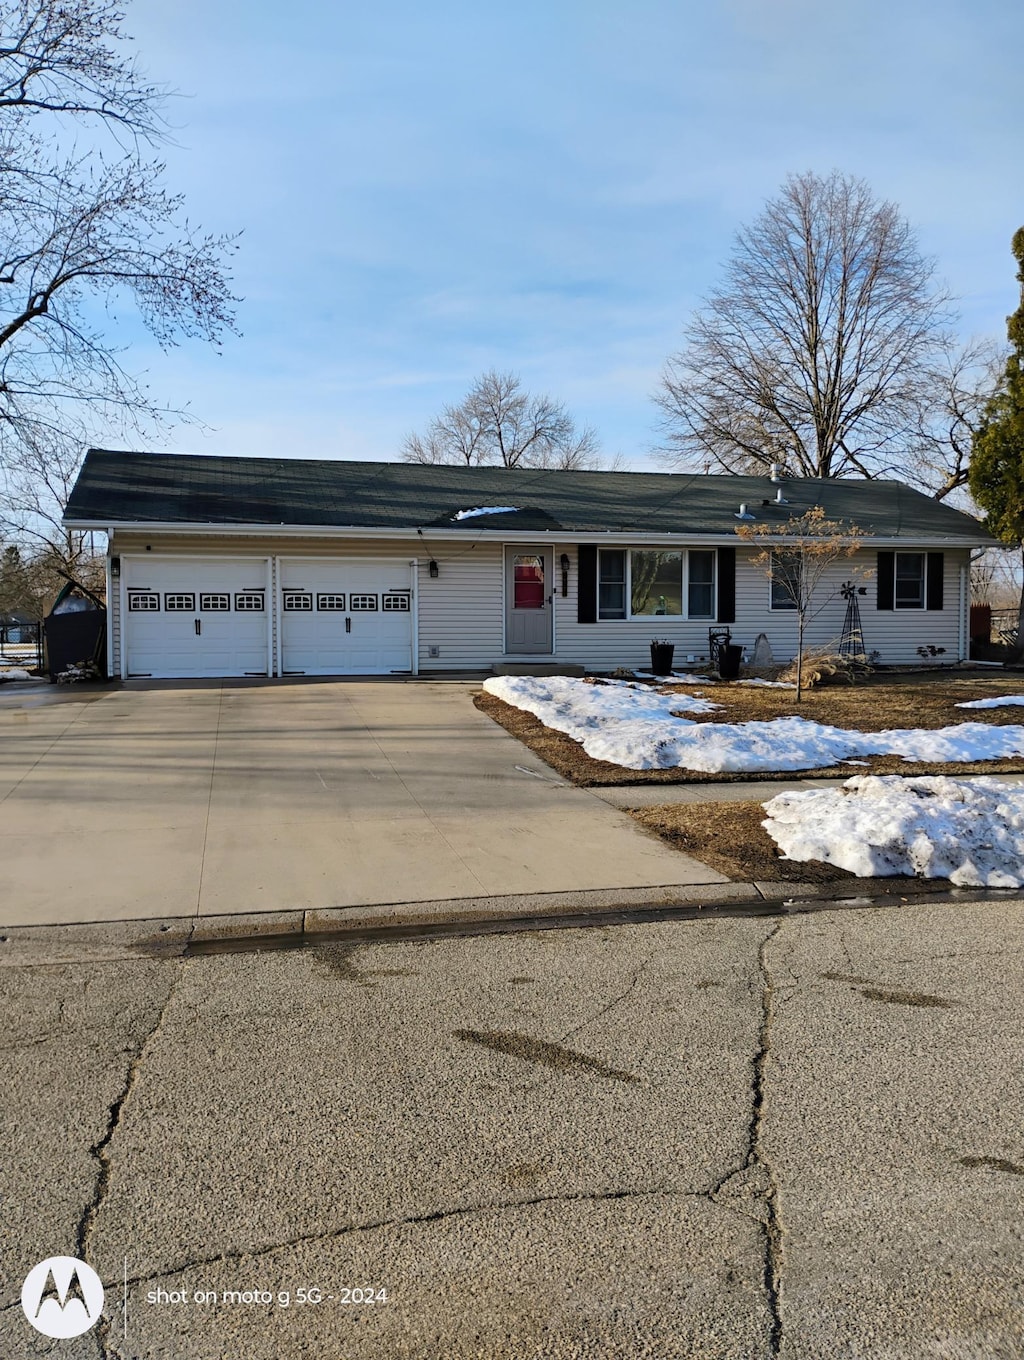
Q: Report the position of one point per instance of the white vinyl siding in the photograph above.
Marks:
(608, 644)
(461, 611)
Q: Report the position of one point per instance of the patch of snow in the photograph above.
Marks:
(486, 510)
(677, 678)
(13, 673)
(634, 726)
(768, 684)
(969, 831)
(1005, 701)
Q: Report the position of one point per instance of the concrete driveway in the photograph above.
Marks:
(207, 797)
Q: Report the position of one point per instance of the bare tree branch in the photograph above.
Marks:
(816, 351)
(498, 423)
(94, 228)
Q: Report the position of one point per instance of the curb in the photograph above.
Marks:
(243, 932)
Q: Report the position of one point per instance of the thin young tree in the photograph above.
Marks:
(499, 423)
(820, 347)
(87, 231)
(997, 459)
(797, 557)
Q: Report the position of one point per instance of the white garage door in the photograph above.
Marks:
(342, 618)
(191, 616)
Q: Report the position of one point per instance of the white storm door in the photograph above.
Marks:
(528, 601)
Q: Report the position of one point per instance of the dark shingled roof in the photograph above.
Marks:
(160, 488)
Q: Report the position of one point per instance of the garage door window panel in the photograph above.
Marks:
(143, 601)
(249, 601)
(364, 602)
(396, 602)
(297, 601)
(215, 603)
(330, 603)
(180, 602)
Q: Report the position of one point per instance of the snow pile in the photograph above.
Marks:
(1005, 701)
(677, 678)
(969, 831)
(768, 684)
(13, 673)
(486, 510)
(633, 726)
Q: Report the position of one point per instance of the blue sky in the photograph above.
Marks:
(427, 191)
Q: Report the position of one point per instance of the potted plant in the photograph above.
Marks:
(662, 652)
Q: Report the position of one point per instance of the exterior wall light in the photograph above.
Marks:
(434, 569)
(564, 563)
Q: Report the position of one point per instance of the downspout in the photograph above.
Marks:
(110, 606)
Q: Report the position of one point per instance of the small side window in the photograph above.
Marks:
(786, 571)
(611, 583)
(910, 580)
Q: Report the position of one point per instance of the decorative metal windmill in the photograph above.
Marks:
(851, 641)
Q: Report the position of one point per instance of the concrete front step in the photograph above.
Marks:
(537, 668)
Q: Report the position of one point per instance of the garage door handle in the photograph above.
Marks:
(348, 625)
(199, 626)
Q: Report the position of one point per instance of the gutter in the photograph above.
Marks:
(567, 535)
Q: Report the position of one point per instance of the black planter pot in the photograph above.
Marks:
(661, 658)
(729, 658)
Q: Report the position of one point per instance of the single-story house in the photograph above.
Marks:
(225, 566)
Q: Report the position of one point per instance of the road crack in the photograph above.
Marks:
(751, 1188)
(585, 1024)
(100, 1150)
(436, 1216)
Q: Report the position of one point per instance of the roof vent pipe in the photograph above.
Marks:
(780, 498)
(775, 472)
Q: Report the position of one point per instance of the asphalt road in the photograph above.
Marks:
(752, 1138)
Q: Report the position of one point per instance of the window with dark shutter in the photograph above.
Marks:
(936, 563)
(586, 583)
(726, 585)
(886, 580)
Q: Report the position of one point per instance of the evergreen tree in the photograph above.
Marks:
(997, 457)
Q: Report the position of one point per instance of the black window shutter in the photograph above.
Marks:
(727, 585)
(586, 583)
(933, 583)
(886, 580)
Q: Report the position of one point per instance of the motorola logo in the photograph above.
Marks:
(62, 1297)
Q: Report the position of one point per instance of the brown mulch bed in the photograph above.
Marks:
(729, 837)
(881, 701)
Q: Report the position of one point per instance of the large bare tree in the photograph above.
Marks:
(825, 350)
(87, 231)
(497, 422)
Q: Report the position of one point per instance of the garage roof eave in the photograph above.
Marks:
(413, 535)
